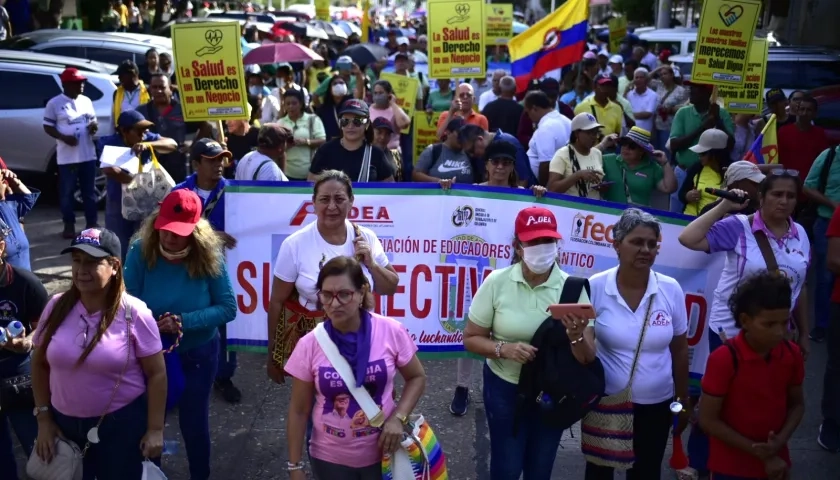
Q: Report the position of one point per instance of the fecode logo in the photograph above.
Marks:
(586, 230)
(463, 216)
(364, 215)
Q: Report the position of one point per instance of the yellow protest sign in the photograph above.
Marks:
(365, 20)
(405, 89)
(498, 26)
(723, 41)
(456, 39)
(425, 132)
(211, 76)
(618, 30)
(749, 98)
(322, 10)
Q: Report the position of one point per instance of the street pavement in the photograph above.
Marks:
(249, 438)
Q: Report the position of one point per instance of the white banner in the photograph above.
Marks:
(443, 244)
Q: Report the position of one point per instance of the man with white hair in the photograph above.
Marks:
(462, 106)
(504, 112)
(642, 100)
(488, 96)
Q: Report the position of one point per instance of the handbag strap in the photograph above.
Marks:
(765, 248)
(155, 162)
(641, 340)
(128, 338)
(363, 398)
(364, 173)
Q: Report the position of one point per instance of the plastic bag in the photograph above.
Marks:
(152, 472)
(144, 193)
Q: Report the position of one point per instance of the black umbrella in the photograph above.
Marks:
(366, 53)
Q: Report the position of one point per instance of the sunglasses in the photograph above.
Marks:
(505, 162)
(343, 297)
(357, 122)
(783, 172)
(630, 145)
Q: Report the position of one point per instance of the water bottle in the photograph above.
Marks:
(170, 447)
(15, 329)
(3, 337)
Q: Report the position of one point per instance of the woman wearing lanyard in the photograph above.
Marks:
(638, 171)
(294, 310)
(577, 168)
(741, 238)
(706, 173)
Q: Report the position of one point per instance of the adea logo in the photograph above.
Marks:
(660, 318)
(366, 214)
(586, 230)
(463, 216)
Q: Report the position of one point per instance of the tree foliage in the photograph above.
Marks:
(640, 12)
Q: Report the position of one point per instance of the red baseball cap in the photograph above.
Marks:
(536, 222)
(180, 212)
(71, 75)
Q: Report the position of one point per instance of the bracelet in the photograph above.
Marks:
(499, 349)
(573, 342)
(291, 467)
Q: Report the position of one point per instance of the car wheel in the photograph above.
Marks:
(100, 188)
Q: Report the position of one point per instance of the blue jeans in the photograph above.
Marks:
(124, 229)
(227, 359)
(22, 422)
(824, 277)
(200, 365)
(117, 456)
(532, 450)
(698, 442)
(85, 174)
(676, 205)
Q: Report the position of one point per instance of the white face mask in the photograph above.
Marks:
(540, 258)
(339, 89)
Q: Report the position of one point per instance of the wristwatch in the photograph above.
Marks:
(402, 418)
(39, 410)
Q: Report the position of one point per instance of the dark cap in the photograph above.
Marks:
(550, 86)
(455, 124)
(354, 107)
(400, 56)
(207, 148)
(127, 66)
(133, 119)
(500, 149)
(382, 122)
(272, 135)
(96, 242)
(605, 79)
(775, 95)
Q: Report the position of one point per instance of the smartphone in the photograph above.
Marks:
(602, 184)
(582, 310)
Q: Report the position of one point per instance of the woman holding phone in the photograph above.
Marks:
(631, 302)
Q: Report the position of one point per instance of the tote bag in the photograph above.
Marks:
(146, 190)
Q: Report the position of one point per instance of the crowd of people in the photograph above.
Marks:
(141, 330)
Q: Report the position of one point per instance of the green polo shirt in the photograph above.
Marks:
(513, 311)
(832, 186)
(322, 88)
(641, 179)
(687, 120)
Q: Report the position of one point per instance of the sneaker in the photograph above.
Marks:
(69, 232)
(460, 402)
(829, 437)
(817, 334)
(229, 392)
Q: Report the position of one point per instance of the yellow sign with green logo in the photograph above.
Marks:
(456, 39)
(618, 31)
(749, 98)
(498, 27)
(211, 77)
(425, 132)
(322, 10)
(723, 42)
(405, 89)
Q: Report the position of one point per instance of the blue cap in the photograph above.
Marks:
(133, 119)
(207, 148)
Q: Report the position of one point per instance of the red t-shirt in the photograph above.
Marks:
(754, 403)
(798, 149)
(834, 231)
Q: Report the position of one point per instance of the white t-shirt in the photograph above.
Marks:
(304, 252)
(562, 164)
(645, 102)
(485, 98)
(261, 165)
(552, 133)
(71, 117)
(204, 194)
(617, 331)
(734, 236)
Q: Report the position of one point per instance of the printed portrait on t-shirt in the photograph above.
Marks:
(342, 415)
(8, 313)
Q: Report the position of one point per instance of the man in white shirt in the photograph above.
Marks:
(643, 100)
(489, 95)
(648, 58)
(552, 132)
(264, 162)
(70, 119)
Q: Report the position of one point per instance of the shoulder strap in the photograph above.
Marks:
(765, 248)
(437, 151)
(572, 288)
(641, 340)
(734, 355)
(208, 209)
(363, 398)
(823, 182)
(259, 167)
(364, 173)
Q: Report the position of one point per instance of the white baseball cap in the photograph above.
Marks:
(616, 59)
(742, 170)
(711, 139)
(585, 121)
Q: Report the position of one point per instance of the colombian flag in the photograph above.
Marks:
(557, 40)
(765, 148)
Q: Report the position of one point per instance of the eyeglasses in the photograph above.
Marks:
(343, 297)
(357, 122)
(784, 172)
(505, 162)
(465, 95)
(630, 145)
(82, 336)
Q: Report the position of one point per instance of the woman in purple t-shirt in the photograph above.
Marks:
(97, 371)
(344, 445)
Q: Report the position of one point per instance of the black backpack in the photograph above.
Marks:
(555, 383)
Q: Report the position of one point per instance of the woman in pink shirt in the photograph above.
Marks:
(344, 445)
(97, 372)
(385, 106)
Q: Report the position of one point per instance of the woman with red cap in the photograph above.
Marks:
(176, 265)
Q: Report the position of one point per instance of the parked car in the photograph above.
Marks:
(82, 64)
(244, 16)
(102, 47)
(166, 29)
(24, 145)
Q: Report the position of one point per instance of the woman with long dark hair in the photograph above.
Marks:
(338, 91)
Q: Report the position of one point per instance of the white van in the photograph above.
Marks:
(680, 40)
